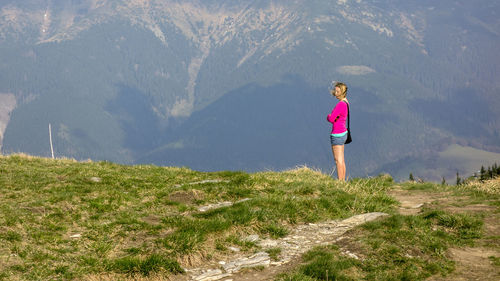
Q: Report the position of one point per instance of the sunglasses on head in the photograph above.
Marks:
(332, 85)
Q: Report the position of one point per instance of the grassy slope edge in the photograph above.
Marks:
(62, 219)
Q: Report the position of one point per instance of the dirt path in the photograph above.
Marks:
(472, 263)
(261, 266)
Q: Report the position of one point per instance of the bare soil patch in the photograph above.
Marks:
(472, 264)
(186, 197)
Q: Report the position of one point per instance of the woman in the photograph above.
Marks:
(338, 119)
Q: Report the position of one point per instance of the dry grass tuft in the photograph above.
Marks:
(489, 186)
(127, 277)
(31, 157)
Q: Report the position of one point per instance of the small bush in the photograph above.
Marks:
(275, 231)
(495, 260)
(326, 264)
(11, 236)
(246, 245)
(274, 253)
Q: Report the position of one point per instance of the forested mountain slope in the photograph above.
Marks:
(243, 84)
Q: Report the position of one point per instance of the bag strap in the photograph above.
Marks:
(348, 113)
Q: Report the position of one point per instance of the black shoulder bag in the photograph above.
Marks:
(349, 139)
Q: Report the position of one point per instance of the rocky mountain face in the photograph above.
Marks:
(243, 84)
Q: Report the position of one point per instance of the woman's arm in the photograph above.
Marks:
(337, 110)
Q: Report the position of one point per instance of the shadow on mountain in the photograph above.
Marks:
(136, 117)
(256, 128)
(464, 113)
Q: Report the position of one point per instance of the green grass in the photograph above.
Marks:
(495, 261)
(274, 253)
(62, 219)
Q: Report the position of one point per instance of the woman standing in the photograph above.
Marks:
(338, 135)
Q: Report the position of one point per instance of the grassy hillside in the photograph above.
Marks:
(62, 219)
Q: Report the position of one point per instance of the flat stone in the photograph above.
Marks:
(252, 238)
(259, 259)
(242, 200)
(211, 275)
(234, 249)
(359, 219)
(268, 243)
(220, 205)
(95, 179)
(351, 255)
(215, 206)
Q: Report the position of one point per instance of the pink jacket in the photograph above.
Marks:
(338, 118)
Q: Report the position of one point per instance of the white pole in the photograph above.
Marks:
(50, 138)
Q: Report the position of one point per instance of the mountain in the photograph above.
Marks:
(242, 85)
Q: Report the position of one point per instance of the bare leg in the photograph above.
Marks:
(338, 154)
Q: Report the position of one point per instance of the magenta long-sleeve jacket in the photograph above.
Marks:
(338, 118)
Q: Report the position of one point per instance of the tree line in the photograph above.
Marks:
(484, 174)
(490, 173)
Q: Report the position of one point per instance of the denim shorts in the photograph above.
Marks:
(338, 140)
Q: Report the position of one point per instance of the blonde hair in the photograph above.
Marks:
(343, 90)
